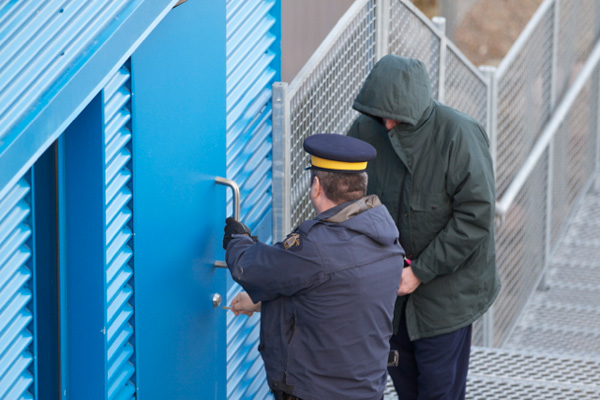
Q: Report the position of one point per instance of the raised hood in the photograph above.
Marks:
(397, 88)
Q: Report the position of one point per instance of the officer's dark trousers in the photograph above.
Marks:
(432, 368)
(279, 395)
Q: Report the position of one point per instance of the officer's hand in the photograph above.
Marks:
(242, 304)
(233, 227)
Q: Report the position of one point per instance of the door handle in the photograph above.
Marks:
(236, 207)
(236, 194)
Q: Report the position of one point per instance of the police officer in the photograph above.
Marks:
(326, 293)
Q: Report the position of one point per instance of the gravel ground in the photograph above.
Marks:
(489, 29)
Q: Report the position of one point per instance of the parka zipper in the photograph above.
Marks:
(408, 241)
(401, 201)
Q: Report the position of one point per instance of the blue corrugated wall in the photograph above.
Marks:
(119, 273)
(17, 330)
(253, 64)
(65, 99)
(41, 42)
(55, 56)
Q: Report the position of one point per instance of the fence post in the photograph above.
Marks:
(450, 10)
(597, 161)
(554, 71)
(382, 15)
(543, 285)
(440, 23)
(281, 168)
(492, 110)
(492, 130)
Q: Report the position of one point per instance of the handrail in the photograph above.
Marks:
(505, 203)
(525, 35)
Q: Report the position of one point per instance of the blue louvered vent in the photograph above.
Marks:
(119, 274)
(16, 339)
(40, 41)
(250, 74)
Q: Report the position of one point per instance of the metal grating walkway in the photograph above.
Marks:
(564, 319)
(517, 374)
(554, 350)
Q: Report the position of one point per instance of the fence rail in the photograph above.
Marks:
(539, 107)
(546, 144)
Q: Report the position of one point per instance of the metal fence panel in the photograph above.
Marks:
(578, 30)
(524, 98)
(565, 122)
(410, 35)
(575, 155)
(520, 250)
(321, 101)
(465, 89)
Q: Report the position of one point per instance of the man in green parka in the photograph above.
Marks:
(434, 173)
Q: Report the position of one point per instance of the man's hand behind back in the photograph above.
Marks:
(409, 282)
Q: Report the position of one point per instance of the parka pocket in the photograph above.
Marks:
(430, 213)
(430, 202)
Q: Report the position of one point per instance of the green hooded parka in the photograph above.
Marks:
(434, 173)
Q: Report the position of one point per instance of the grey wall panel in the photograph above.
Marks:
(305, 24)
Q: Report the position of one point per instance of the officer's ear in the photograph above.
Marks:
(315, 187)
(317, 184)
(313, 180)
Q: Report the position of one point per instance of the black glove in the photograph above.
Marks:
(233, 227)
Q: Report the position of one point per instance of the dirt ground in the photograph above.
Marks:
(490, 28)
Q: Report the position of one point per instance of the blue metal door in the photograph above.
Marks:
(179, 142)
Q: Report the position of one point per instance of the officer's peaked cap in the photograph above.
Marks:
(338, 153)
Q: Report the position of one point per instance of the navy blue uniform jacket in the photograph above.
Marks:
(328, 293)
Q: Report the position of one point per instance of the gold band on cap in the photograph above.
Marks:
(337, 165)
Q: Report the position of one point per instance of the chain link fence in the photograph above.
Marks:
(319, 100)
(540, 85)
(524, 81)
(414, 37)
(539, 107)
